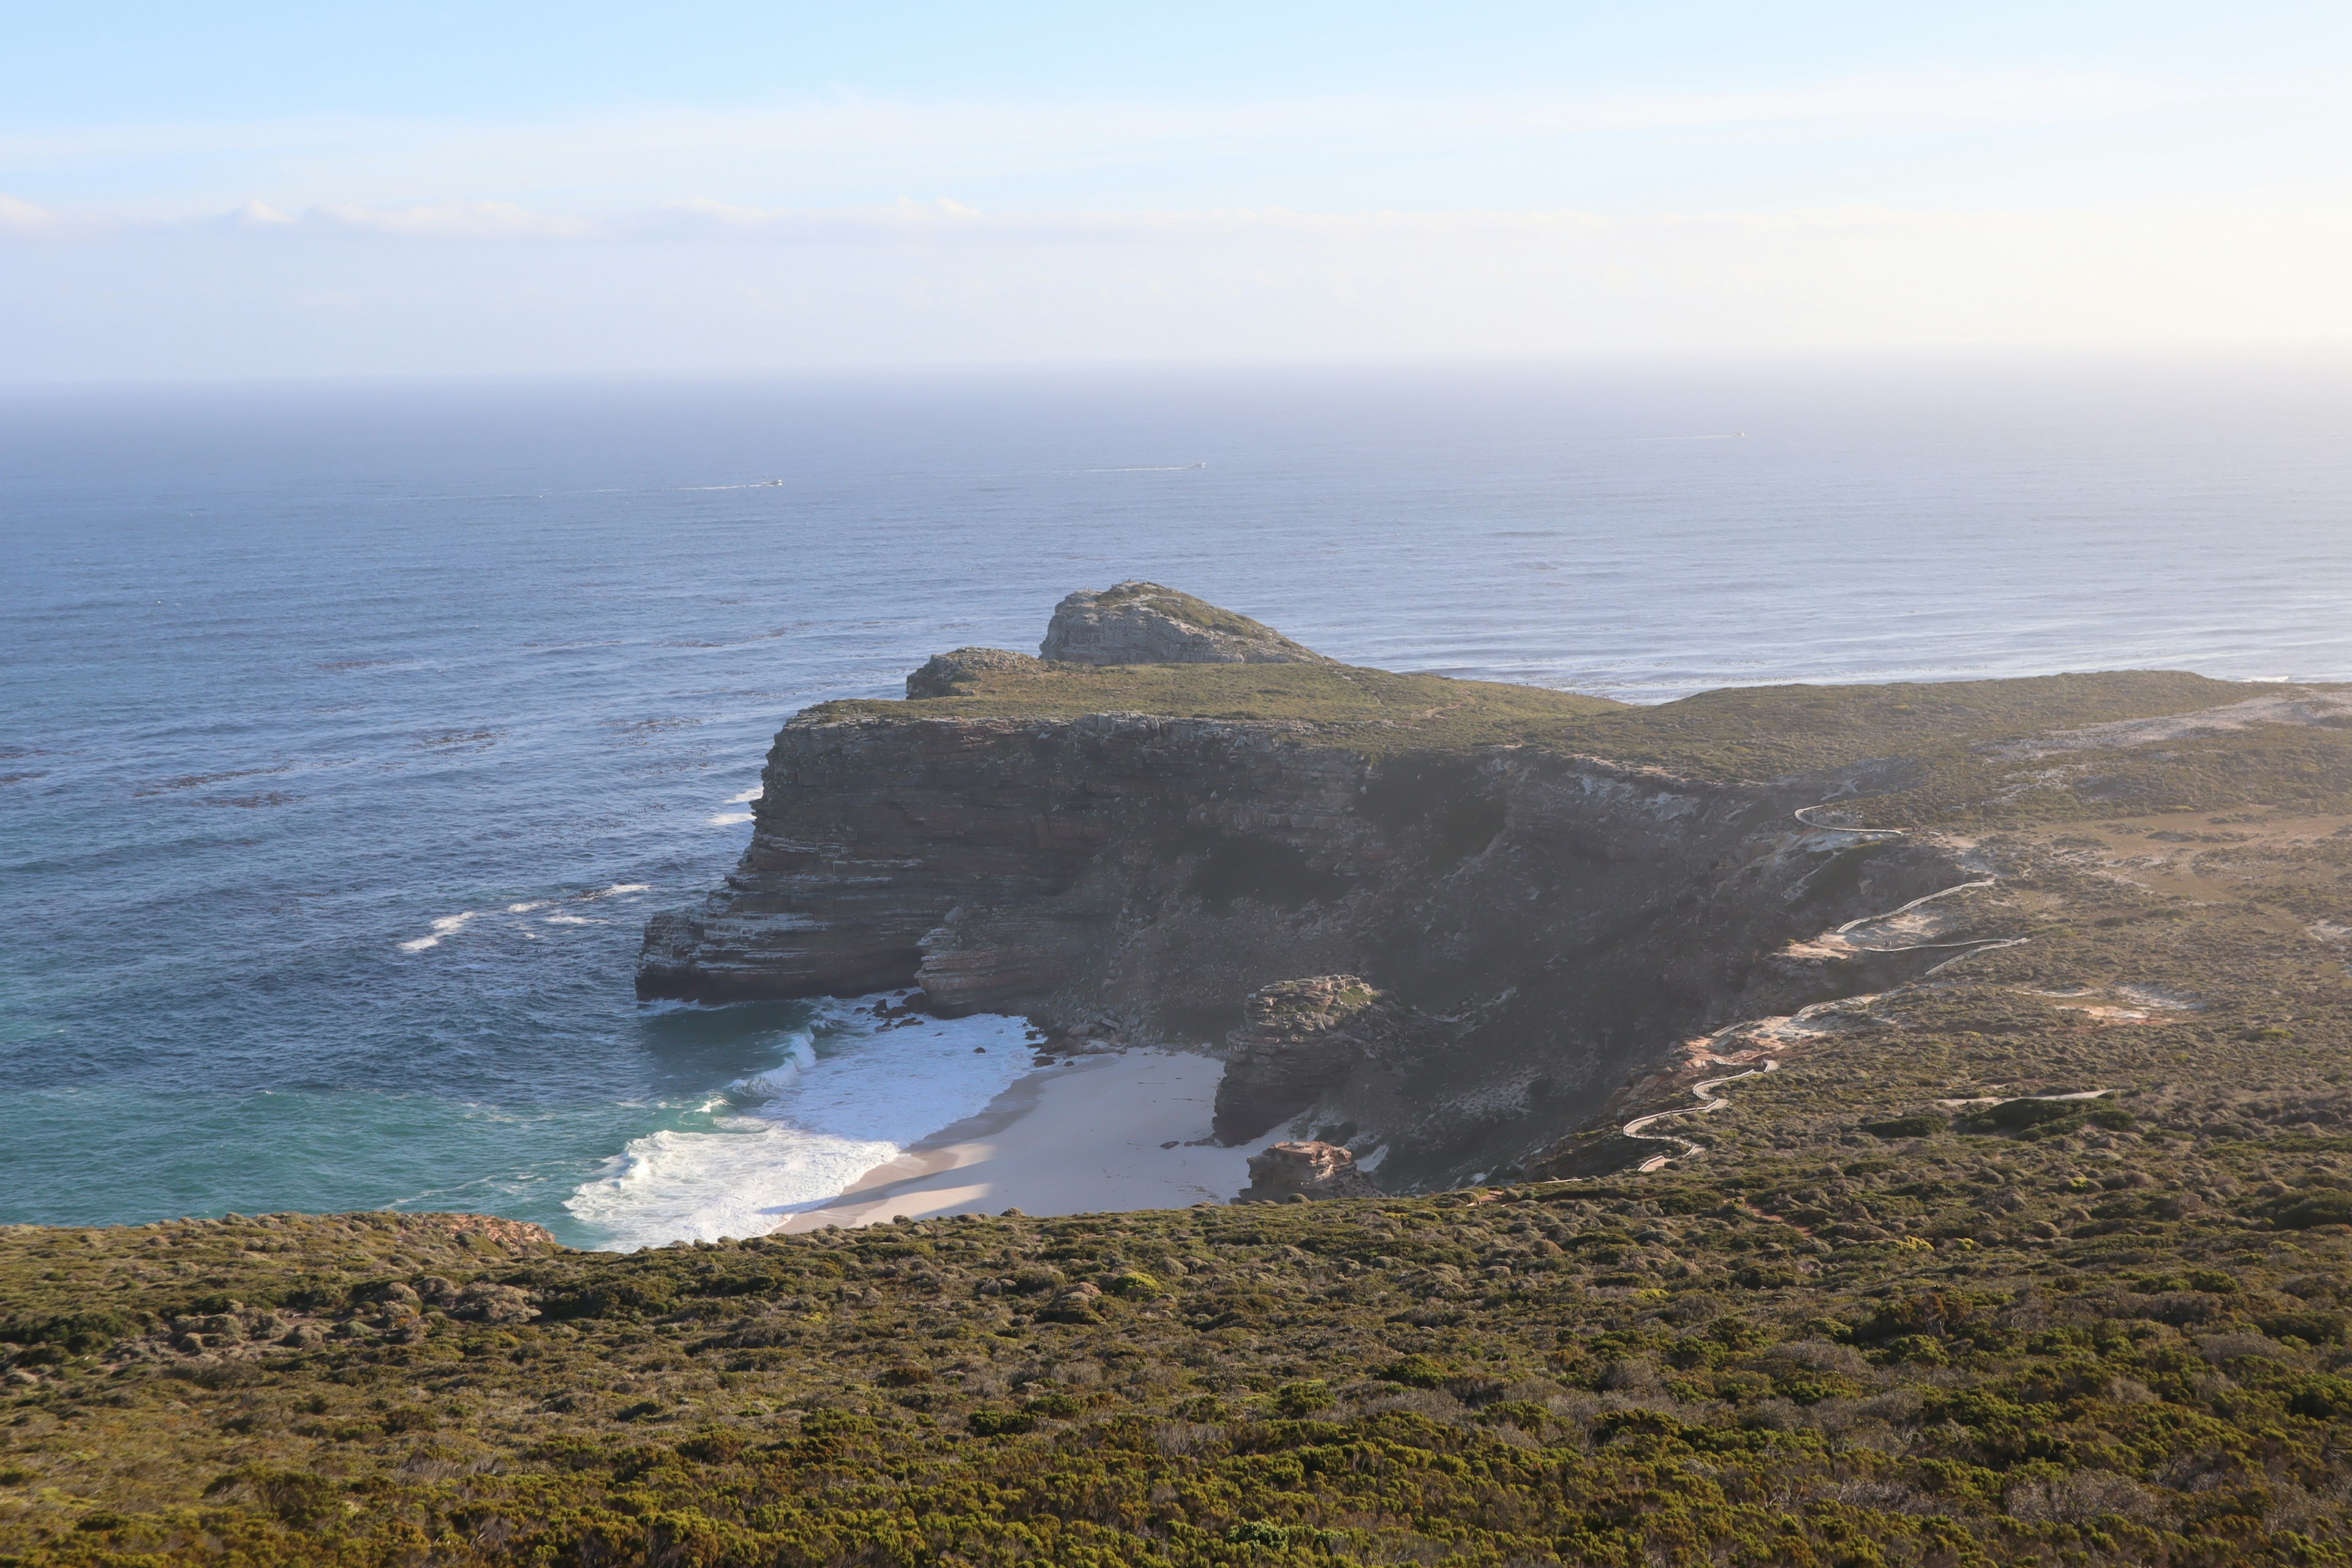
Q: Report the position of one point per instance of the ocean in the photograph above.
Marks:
(351, 731)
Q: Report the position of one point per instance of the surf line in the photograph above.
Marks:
(1786, 1031)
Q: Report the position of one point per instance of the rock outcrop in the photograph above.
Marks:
(1143, 623)
(1310, 1170)
(1306, 1039)
(952, 674)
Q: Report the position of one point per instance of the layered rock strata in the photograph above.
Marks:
(1130, 875)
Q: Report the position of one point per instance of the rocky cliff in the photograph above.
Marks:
(1542, 925)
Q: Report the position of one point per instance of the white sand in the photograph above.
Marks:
(1082, 1139)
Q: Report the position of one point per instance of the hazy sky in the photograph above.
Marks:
(262, 189)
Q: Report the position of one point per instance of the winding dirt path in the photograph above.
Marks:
(1787, 1030)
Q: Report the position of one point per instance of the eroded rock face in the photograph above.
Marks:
(1495, 933)
(1143, 623)
(950, 674)
(1306, 1039)
(1305, 1170)
(1139, 877)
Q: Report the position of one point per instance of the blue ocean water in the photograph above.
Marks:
(351, 731)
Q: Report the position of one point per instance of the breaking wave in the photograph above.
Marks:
(849, 1093)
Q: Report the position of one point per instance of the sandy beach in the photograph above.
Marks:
(1124, 1131)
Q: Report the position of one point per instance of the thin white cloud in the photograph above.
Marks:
(23, 218)
(455, 220)
(850, 149)
(1875, 104)
(1942, 99)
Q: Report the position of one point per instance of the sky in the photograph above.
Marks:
(267, 190)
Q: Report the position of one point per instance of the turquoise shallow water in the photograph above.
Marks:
(291, 675)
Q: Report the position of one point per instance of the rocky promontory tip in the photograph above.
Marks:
(1144, 622)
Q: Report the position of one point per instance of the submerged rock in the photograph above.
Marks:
(1307, 1170)
(1143, 623)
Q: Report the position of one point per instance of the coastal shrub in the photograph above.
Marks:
(1304, 1397)
(2304, 1210)
(1918, 1124)
(999, 1423)
(1417, 1372)
(2017, 1115)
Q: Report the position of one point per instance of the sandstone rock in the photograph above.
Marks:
(1304, 1038)
(1309, 1170)
(1143, 623)
(952, 674)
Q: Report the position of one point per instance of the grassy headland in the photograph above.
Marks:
(1942, 730)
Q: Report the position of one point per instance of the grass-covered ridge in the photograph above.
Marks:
(1946, 731)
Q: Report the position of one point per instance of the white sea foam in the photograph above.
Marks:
(574, 921)
(448, 925)
(801, 1055)
(844, 1099)
(747, 797)
(526, 909)
(616, 891)
(730, 818)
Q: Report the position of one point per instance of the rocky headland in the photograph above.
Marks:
(1446, 924)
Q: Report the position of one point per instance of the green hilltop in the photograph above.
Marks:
(1738, 734)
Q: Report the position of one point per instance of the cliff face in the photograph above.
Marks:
(1561, 922)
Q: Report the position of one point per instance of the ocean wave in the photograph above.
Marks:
(851, 1093)
(800, 1055)
(677, 1186)
(448, 925)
